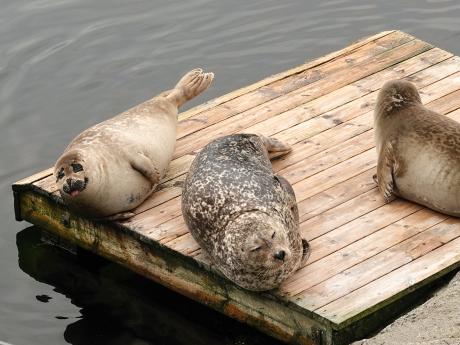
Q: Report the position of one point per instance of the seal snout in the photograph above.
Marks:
(73, 187)
(280, 255)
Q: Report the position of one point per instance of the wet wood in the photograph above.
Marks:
(366, 255)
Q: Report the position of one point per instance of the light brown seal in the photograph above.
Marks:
(115, 165)
(244, 217)
(418, 150)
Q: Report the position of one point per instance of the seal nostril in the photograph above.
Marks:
(279, 255)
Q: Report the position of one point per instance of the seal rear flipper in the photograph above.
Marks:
(190, 86)
(275, 148)
(285, 185)
(385, 172)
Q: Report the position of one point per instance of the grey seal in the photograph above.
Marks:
(418, 150)
(243, 216)
(112, 167)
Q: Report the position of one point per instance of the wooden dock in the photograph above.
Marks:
(368, 259)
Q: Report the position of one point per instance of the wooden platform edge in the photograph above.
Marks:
(265, 311)
(404, 299)
(389, 311)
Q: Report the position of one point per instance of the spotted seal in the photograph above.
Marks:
(418, 150)
(115, 165)
(243, 216)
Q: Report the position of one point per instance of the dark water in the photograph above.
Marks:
(65, 65)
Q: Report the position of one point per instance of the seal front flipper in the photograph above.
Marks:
(386, 168)
(286, 186)
(119, 216)
(144, 165)
(306, 251)
(276, 148)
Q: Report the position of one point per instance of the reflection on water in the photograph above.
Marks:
(119, 307)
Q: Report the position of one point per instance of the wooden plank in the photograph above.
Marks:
(343, 213)
(328, 158)
(160, 214)
(395, 245)
(359, 228)
(279, 76)
(334, 175)
(168, 231)
(311, 281)
(336, 195)
(399, 282)
(35, 177)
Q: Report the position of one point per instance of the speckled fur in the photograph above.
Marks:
(124, 158)
(232, 202)
(419, 150)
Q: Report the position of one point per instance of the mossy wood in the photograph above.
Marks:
(369, 260)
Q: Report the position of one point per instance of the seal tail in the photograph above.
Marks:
(190, 86)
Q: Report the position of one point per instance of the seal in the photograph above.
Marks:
(243, 216)
(115, 165)
(418, 150)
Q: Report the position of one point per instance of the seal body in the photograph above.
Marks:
(418, 150)
(243, 216)
(113, 166)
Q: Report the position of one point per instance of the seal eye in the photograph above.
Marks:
(255, 249)
(60, 174)
(76, 167)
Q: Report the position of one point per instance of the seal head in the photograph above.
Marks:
(71, 177)
(260, 253)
